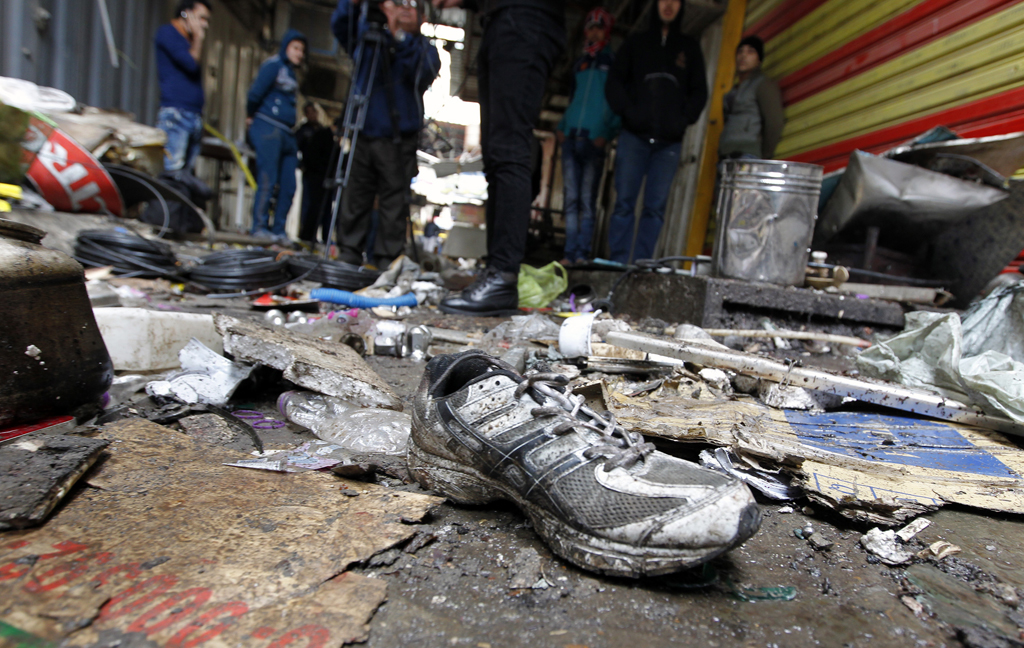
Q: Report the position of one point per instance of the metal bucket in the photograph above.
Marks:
(766, 213)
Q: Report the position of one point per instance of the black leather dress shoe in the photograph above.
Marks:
(493, 294)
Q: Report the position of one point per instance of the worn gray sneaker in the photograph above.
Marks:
(599, 495)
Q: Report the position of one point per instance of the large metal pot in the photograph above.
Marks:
(52, 357)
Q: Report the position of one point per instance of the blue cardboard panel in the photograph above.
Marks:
(895, 440)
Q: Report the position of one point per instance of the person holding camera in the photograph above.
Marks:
(384, 158)
(179, 44)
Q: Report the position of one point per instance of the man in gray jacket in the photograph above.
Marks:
(753, 108)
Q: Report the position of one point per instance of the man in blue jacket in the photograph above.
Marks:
(384, 159)
(587, 126)
(271, 110)
(179, 44)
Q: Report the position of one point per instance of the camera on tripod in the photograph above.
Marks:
(374, 13)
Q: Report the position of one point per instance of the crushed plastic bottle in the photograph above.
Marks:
(310, 409)
(335, 420)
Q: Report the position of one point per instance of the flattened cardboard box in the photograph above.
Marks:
(169, 545)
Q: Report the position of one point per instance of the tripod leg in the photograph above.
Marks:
(355, 117)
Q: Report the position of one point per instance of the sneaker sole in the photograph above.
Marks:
(463, 485)
(506, 312)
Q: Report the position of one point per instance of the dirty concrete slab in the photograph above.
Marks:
(713, 302)
(168, 542)
(457, 592)
(331, 369)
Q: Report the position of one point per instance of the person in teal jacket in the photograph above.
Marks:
(271, 107)
(588, 125)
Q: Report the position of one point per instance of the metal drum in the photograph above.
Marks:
(52, 357)
(766, 213)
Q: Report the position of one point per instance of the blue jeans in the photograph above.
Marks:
(184, 131)
(276, 161)
(635, 159)
(582, 163)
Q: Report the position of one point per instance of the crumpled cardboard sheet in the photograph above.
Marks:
(171, 546)
(877, 468)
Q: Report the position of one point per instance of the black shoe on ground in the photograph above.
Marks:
(493, 294)
(600, 496)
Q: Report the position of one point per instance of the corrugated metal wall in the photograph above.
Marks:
(61, 43)
(870, 74)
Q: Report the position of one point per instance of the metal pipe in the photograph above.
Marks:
(901, 398)
(109, 33)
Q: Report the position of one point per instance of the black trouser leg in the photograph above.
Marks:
(519, 48)
(312, 204)
(356, 203)
(397, 165)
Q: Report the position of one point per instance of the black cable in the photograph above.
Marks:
(153, 190)
(129, 254)
(234, 270)
(333, 274)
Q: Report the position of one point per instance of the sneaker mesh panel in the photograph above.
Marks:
(665, 470)
(597, 507)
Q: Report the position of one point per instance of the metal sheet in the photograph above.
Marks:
(915, 28)
(1004, 154)
(888, 395)
(897, 194)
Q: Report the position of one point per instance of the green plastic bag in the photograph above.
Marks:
(538, 287)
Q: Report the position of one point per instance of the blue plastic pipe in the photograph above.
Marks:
(345, 298)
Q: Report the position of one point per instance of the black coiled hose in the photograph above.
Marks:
(235, 270)
(333, 274)
(129, 254)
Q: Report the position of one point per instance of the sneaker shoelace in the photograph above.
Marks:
(620, 447)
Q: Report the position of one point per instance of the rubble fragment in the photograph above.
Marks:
(939, 550)
(208, 377)
(917, 526)
(331, 369)
(884, 545)
(38, 471)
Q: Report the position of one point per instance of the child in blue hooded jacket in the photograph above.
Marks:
(272, 113)
(588, 125)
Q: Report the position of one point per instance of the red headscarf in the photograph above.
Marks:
(600, 17)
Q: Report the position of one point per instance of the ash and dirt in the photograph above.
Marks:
(480, 577)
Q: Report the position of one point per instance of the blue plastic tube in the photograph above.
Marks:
(345, 298)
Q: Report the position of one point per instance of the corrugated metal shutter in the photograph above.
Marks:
(868, 75)
(62, 44)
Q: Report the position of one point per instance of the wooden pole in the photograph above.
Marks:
(732, 32)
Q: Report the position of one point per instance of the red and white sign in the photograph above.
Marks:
(71, 179)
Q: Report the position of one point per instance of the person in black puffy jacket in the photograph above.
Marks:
(659, 87)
